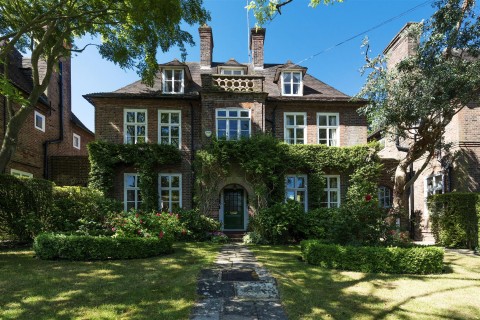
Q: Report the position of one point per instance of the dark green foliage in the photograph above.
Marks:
(105, 157)
(353, 223)
(25, 207)
(280, 223)
(265, 161)
(196, 226)
(31, 206)
(455, 219)
(415, 260)
(50, 246)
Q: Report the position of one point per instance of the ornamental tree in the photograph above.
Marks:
(418, 98)
(132, 32)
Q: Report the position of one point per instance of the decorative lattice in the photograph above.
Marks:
(234, 84)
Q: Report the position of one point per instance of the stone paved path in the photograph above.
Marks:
(237, 288)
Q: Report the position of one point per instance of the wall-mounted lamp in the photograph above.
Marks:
(208, 133)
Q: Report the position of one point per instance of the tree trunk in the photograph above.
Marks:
(400, 198)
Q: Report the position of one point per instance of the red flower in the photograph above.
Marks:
(368, 197)
(136, 215)
(141, 221)
(159, 214)
(160, 235)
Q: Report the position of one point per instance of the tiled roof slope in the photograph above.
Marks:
(80, 124)
(313, 89)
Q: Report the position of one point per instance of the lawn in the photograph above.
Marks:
(155, 288)
(310, 292)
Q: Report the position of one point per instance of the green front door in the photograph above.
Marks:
(233, 210)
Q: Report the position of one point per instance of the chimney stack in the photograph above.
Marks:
(257, 39)
(206, 46)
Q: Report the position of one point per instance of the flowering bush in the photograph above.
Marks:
(196, 226)
(219, 237)
(148, 225)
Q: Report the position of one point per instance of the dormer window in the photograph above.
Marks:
(292, 83)
(232, 71)
(173, 81)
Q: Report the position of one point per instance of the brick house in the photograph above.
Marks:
(457, 170)
(192, 102)
(52, 142)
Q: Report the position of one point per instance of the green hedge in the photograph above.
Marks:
(50, 246)
(454, 218)
(416, 260)
(31, 206)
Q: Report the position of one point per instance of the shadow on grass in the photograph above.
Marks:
(155, 288)
(310, 292)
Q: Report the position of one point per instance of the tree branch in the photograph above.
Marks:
(279, 5)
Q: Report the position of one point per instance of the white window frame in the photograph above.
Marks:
(135, 124)
(232, 70)
(42, 127)
(437, 188)
(300, 84)
(295, 126)
(19, 173)
(170, 125)
(328, 128)
(383, 194)
(137, 202)
(328, 188)
(79, 139)
(238, 118)
(295, 189)
(170, 189)
(173, 80)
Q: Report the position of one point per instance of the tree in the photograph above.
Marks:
(418, 99)
(131, 30)
(266, 10)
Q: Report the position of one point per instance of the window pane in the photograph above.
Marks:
(165, 194)
(333, 196)
(286, 88)
(233, 113)
(175, 131)
(290, 120)
(222, 134)
(332, 120)
(287, 76)
(130, 181)
(333, 137)
(164, 131)
(175, 205)
(245, 125)
(290, 134)
(141, 117)
(164, 140)
(238, 72)
(296, 77)
(290, 195)
(178, 74)
(141, 131)
(130, 195)
(175, 181)
(290, 182)
(175, 118)
(165, 181)
(301, 196)
(300, 182)
(169, 87)
(295, 88)
(245, 134)
(233, 124)
(244, 114)
(175, 195)
(130, 205)
(222, 124)
(322, 134)
(300, 120)
(300, 133)
(333, 182)
(176, 142)
(322, 120)
(164, 118)
(233, 135)
(177, 86)
(221, 113)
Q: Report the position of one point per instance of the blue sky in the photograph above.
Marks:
(301, 34)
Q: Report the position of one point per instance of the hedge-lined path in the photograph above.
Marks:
(237, 288)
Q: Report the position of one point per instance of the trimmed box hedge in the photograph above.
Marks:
(51, 246)
(414, 260)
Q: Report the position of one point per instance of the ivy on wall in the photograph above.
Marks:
(105, 158)
(266, 160)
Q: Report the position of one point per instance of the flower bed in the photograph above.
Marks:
(414, 260)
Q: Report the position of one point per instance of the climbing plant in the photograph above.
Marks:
(105, 157)
(266, 160)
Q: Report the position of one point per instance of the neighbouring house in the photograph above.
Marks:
(52, 142)
(455, 170)
(192, 103)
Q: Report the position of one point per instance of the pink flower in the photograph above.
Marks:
(139, 231)
(141, 221)
(171, 214)
(114, 229)
(160, 235)
(159, 214)
(368, 197)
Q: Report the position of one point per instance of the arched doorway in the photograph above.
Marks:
(234, 208)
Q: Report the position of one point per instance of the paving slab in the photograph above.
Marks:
(237, 287)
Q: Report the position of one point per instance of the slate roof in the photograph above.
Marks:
(20, 73)
(80, 124)
(313, 89)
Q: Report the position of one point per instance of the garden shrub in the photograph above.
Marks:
(253, 238)
(454, 218)
(145, 225)
(50, 246)
(196, 226)
(25, 207)
(280, 223)
(414, 260)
